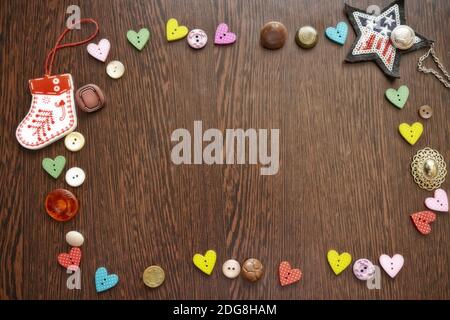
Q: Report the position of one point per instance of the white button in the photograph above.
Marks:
(115, 69)
(75, 177)
(403, 37)
(74, 141)
(231, 269)
(56, 88)
(55, 80)
(74, 239)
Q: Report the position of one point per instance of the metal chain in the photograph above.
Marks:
(434, 72)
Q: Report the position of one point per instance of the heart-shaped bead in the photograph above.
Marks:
(393, 265)
(439, 202)
(223, 36)
(72, 258)
(398, 97)
(205, 262)
(138, 39)
(105, 281)
(99, 51)
(54, 167)
(337, 34)
(411, 133)
(174, 31)
(338, 262)
(422, 221)
(288, 275)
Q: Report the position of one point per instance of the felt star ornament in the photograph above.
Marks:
(373, 41)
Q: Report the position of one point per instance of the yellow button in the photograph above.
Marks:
(153, 276)
(205, 262)
(306, 37)
(74, 141)
(338, 262)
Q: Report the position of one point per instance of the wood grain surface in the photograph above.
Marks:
(344, 180)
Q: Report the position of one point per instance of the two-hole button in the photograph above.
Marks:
(115, 69)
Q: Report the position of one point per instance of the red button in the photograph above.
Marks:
(61, 205)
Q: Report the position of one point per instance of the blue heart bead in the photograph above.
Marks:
(103, 281)
(338, 34)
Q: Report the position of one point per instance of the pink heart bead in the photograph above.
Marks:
(223, 36)
(439, 202)
(393, 265)
(99, 51)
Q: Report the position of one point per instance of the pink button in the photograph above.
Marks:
(197, 39)
(223, 35)
(364, 269)
(439, 202)
(393, 265)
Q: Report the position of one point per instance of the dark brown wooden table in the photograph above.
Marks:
(344, 180)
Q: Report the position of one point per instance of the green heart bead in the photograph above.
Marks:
(138, 39)
(398, 97)
(54, 167)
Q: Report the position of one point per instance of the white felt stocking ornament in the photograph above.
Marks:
(52, 114)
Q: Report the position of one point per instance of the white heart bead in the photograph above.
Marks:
(393, 265)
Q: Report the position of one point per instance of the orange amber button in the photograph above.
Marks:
(61, 205)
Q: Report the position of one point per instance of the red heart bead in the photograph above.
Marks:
(422, 221)
(72, 258)
(287, 274)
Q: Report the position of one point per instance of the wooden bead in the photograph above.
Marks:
(273, 35)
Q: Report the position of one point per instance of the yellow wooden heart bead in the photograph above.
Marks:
(174, 31)
(338, 262)
(205, 262)
(411, 133)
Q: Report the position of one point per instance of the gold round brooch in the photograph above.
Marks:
(428, 169)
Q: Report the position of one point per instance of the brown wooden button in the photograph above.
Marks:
(306, 37)
(90, 98)
(425, 112)
(252, 269)
(273, 35)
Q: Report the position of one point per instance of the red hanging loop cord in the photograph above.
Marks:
(51, 55)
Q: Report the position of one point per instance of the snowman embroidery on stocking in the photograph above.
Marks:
(52, 114)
